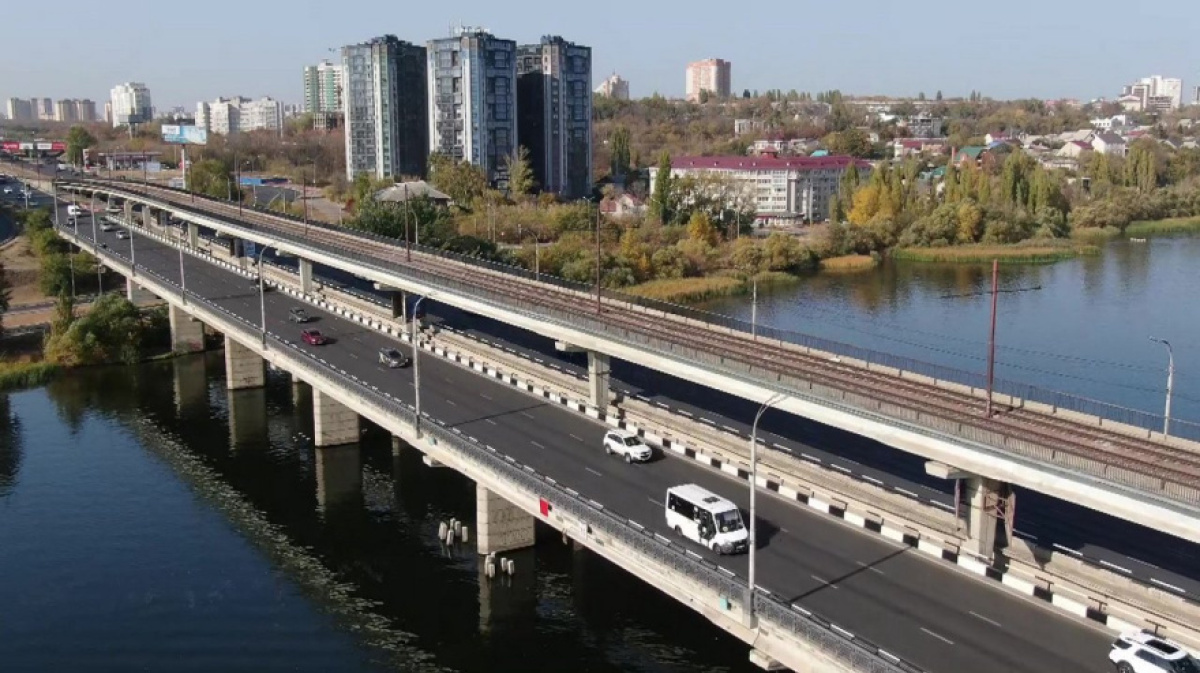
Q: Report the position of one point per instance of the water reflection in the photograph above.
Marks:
(10, 446)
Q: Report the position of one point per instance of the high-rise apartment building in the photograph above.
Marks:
(554, 114)
(64, 111)
(239, 115)
(384, 105)
(131, 104)
(85, 110)
(712, 75)
(1154, 94)
(323, 87)
(46, 110)
(20, 110)
(473, 99)
(614, 87)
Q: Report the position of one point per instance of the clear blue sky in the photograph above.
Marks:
(189, 52)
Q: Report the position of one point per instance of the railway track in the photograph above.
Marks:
(1158, 460)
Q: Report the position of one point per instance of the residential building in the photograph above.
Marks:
(384, 108)
(108, 112)
(907, 147)
(20, 110)
(225, 116)
(742, 127)
(473, 100)
(323, 87)
(614, 87)
(554, 114)
(1074, 149)
(789, 189)
(85, 110)
(1109, 143)
(712, 75)
(622, 205)
(131, 104)
(1196, 95)
(923, 125)
(1154, 93)
(1110, 123)
(45, 108)
(64, 111)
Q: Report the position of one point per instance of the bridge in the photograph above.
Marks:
(829, 599)
(1100, 456)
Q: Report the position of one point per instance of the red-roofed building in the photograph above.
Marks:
(785, 188)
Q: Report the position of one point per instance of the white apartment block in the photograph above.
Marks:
(614, 87)
(225, 116)
(323, 85)
(131, 104)
(1155, 93)
(712, 75)
(790, 189)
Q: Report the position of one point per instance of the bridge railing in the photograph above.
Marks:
(1150, 421)
(857, 652)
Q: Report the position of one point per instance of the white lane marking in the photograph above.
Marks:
(490, 421)
(486, 397)
(656, 502)
(577, 438)
(593, 472)
(827, 583)
(526, 415)
(940, 637)
(870, 567)
(450, 402)
(989, 621)
(353, 356)
(540, 446)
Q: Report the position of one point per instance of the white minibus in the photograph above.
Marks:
(706, 518)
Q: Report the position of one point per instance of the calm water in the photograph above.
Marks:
(1085, 331)
(142, 531)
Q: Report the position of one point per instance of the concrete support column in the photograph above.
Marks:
(243, 367)
(306, 283)
(187, 333)
(982, 494)
(128, 213)
(339, 474)
(147, 218)
(500, 526)
(598, 370)
(400, 306)
(333, 422)
(136, 293)
(193, 235)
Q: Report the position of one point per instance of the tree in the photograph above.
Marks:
(618, 147)
(705, 95)
(212, 177)
(701, 229)
(463, 182)
(78, 139)
(852, 142)
(520, 175)
(661, 201)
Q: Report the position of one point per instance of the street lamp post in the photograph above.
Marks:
(1170, 384)
(95, 240)
(778, 397)
(262, 295)
(416, 358)
(598, 309)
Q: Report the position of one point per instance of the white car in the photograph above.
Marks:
(8, 190)
(627, 445)
(122, 234)
(1145, 652)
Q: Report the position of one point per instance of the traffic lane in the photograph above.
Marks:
(470, 410)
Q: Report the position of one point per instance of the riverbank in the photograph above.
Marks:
(1174, 225)
(1006, 254)
(687, 290)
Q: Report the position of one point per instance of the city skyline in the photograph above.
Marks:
(877, 50)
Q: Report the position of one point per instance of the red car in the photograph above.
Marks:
(313, 337)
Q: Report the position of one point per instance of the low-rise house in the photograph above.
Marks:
(623, 205)
(1110, 144)
(1074, 149)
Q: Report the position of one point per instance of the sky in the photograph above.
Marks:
(1021, 48)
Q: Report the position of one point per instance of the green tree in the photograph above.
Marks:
(520, 174)
(618, 147)
(463, 182)
(853, 142)
(112, 331)
(700, 228)
(78, 139)
(661, 203)
(212, 177)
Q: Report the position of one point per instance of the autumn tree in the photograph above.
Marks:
(520, 174)
(661, 201)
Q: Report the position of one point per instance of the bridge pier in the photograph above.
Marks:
(598, 373)
(147, 217)
(500, 526)
(988, 503)
(243, 367)
(333, 422)
(339, 474)
(128, 207)
(193, 235)
(306, 281)
(187, 332)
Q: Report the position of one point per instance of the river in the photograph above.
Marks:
(1081, 326)
(143, 531)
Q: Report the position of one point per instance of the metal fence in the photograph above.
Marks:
(840, 643)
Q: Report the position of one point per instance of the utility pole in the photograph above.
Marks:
(598, 308)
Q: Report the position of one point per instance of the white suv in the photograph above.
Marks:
(1145, 652)
(628, 445)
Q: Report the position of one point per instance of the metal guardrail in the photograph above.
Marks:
(852, 403)
(855, 651)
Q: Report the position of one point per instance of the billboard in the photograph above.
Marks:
(184, 135)
(42, 146)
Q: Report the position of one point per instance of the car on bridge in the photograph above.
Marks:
(313, 337)
(122, 234)
(393, 358)
(706, 518)
(107, 225)
(299, 315)
(1145, 652)
(627, 445)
